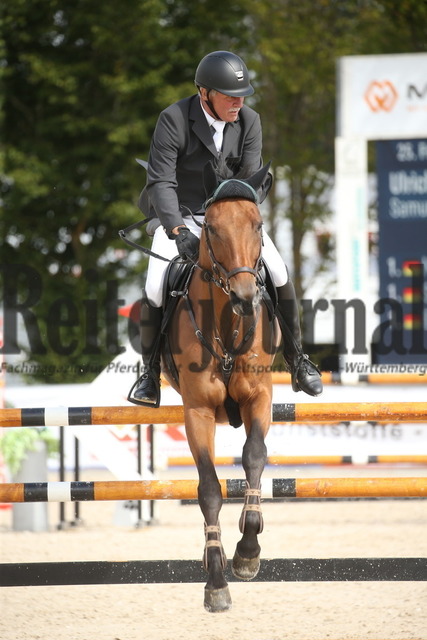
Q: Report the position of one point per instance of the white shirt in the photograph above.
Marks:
(218, 125)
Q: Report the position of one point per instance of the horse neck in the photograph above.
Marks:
(214, 315)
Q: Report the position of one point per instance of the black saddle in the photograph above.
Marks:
(177, 277)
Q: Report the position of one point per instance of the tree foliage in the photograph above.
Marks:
(83, 86)
(297, 44)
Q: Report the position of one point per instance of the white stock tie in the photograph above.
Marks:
(217, 129)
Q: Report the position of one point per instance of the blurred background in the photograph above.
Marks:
(82, 84)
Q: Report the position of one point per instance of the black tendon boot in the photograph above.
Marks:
(146, 390)
(305, 374)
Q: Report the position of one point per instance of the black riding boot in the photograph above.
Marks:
(146, 390)
(305, 374)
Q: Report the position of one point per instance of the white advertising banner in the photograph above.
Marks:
(382, 97)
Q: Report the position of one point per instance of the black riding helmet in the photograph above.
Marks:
(225, 72)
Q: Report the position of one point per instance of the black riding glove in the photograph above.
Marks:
(187, 244)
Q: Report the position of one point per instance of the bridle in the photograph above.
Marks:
(219, 275)
(221, 278)
(220, 193)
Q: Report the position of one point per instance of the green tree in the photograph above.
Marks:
(83, 84)
(296, 44)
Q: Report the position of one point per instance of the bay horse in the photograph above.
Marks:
(223, 341)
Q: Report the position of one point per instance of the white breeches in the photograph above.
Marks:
(167, 248)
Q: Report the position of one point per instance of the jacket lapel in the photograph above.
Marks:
(200, 126)
(231, 136)
(201, 129)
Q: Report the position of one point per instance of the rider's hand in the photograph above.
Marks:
(187, 244)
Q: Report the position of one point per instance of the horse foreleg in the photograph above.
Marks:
(217, 594)
(246, 561)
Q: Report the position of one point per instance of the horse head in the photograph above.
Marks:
(231, 240)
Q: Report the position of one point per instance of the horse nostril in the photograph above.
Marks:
(243, 306)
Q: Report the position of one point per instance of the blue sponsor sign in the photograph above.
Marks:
(402, 216)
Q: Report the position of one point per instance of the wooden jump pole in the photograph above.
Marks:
(336, 378)
(403, 487)
(327, 460)
(289, 412)
(42, 574)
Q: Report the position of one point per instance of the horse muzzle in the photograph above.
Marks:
(245, 304)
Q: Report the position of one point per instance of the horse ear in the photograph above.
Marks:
(210, 179)
(257, 179)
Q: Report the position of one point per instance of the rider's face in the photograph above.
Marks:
(227, 107)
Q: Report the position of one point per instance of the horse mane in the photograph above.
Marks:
(224, 172)
(231, 185)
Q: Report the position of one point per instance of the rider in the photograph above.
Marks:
(212, 125)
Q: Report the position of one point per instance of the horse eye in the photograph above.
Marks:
(210, 229)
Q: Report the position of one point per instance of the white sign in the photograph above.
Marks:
(383, 97)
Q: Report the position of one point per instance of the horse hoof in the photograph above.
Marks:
(217, 600)
(245, 568)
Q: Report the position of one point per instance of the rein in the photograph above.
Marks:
(218, 276)
(148, 252)
(135, 245)
(221, 278)
(217, 195)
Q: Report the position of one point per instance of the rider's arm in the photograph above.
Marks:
(162, 180)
